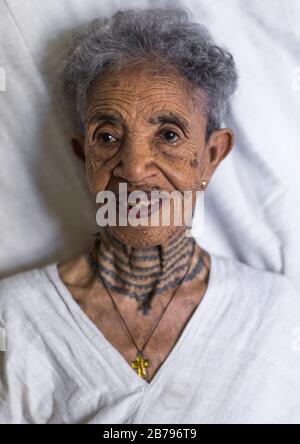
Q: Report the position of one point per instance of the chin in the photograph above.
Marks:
(143, 236)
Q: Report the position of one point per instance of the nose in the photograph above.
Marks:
(136, 163)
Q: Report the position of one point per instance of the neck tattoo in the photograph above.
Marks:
(142, 273)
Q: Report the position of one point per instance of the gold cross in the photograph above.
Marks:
(140, 364)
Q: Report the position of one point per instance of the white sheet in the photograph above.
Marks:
(252, 205)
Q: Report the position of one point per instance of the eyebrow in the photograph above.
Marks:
(171, 117)
(107, 117)
(162, 117)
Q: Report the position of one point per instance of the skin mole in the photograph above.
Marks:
(194, 163)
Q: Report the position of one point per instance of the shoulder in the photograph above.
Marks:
(254, 281)
(34, 290)
(20, 282)
(267, 297)
(76, 271)
(22, 292)
(259, 313)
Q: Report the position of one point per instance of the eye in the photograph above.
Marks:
(106, 138)
(170, 136)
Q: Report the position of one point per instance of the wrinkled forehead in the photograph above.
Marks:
(143, 84)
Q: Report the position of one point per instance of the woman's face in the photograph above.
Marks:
(145, 128)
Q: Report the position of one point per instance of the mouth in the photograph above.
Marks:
(144, 205)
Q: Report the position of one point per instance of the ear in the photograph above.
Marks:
(217, 148)
(77, 143)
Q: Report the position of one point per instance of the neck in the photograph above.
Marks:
(143, 272)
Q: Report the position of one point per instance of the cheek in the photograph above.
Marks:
(196, 166)
(195, 172)
(98, 170)
(183, 171)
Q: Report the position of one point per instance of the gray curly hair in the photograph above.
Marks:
(171, 36)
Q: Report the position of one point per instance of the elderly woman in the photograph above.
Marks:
(146, 326)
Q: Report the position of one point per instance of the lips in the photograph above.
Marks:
(137, 193)
(144, 206)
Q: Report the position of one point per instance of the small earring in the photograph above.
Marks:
(203, 184)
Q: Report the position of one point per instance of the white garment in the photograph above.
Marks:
(237, 360)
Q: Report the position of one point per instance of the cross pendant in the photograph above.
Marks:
(141, 364)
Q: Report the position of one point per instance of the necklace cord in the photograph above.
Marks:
(97, 245)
